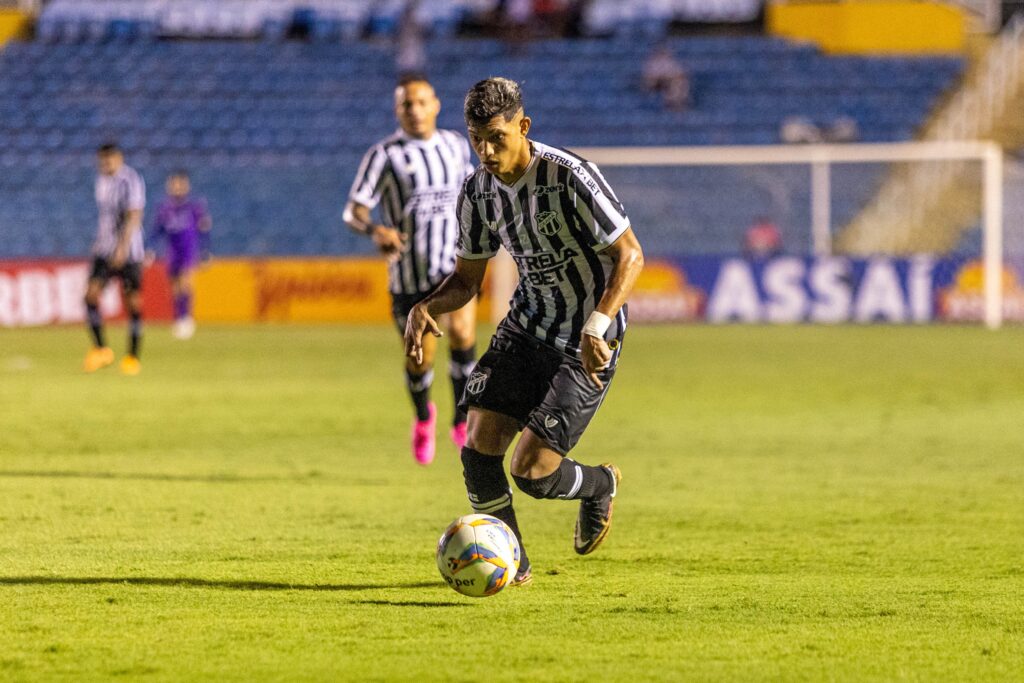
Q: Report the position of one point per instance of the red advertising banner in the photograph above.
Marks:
(51, 292)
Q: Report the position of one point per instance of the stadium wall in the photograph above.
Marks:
(857, 27)
(713, 289)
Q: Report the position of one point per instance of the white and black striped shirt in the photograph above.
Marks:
(416, 183)
(556, 222)
(116, 195)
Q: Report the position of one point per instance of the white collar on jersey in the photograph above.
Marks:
(405, 137)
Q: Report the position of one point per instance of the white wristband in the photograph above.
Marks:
(597, 324)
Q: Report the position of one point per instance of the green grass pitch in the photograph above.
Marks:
(798, 503)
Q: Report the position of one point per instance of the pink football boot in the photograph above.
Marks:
(458, 434)
(423, 437)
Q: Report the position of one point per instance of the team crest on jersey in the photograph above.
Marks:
(549, 223)
(478, 381)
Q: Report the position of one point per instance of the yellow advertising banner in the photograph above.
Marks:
(296, 290)
(293, 290)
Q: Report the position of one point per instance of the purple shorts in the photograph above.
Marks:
(179, 261)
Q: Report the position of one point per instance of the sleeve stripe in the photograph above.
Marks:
(367, 185)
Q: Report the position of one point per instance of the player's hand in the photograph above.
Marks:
(119, 257)
(419, 322)
(596, 356)
(389, 241)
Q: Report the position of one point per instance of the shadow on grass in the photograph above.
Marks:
(143, 476)
(411, 603)
(186, 582)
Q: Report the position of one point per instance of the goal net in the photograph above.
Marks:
(858, 233)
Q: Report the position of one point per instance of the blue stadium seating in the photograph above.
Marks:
(273, 131)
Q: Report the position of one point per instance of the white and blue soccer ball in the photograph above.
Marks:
(478, 555)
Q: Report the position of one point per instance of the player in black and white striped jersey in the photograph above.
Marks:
(414, 176)
(552, 359)
(117, 252)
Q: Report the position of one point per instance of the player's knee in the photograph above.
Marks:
(419, 368)
(543, 487)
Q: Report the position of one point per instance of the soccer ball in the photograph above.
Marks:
(478, 555)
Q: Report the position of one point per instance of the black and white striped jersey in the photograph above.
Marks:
(416, 183)
(116, 195)
(556, 222)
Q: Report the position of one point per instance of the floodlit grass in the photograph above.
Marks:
(798, 503)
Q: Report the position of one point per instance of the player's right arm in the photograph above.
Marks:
(458, 289)
(374, 171)
(389, 241)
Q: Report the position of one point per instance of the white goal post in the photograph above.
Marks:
(821, 159)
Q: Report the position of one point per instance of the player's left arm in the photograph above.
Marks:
(132, 224)
(628, 260)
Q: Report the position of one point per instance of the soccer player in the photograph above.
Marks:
(117, 252)
(185, 222)
(415, 175)
(552, 358)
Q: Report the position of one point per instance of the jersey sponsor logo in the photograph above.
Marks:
(542, 190)
(547, 268)
(478, 381)
(549, 222)
(481, 196)
(581, 173)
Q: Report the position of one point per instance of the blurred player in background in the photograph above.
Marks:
(117, 252)
(184, 221)
(553, 357)
(415, 176)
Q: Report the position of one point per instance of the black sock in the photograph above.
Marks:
(489, 492)
(461, 367)
(419, 389)
(95, 324)
(134, 333)
(570, 481)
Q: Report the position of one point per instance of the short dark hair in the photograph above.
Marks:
(412, 77)
(492, 97)
(108, 148)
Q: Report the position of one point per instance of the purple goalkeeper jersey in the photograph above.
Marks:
(184, 222)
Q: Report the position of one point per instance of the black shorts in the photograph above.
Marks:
(538, 386)
(130, 274)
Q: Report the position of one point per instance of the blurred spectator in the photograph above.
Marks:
(517, 16)
(664, 73)
(799, 129)
(411, 56)
(762, 239)
(551, 16)
(843, 129)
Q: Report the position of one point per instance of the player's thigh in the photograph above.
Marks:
(99, 276)
(569, 405)
(489, 432)
(462, 326)
(505, 380)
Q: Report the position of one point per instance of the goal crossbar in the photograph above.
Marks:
(820, 159)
